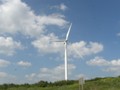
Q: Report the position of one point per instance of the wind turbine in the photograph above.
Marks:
(65, 56)
(65, 52)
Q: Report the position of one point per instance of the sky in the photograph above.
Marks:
(28, 29)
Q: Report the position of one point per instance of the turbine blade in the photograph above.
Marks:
(67, 35)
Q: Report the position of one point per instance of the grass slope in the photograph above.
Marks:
(109, 83)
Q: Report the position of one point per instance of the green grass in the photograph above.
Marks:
(108, 83)
(69, 87)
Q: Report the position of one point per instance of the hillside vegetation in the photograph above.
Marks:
(108, 83)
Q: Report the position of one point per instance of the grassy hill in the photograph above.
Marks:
(108, 83)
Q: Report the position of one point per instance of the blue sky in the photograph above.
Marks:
(27, 28)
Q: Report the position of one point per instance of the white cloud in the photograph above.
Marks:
(4, 63)
(62, 7)
(110, 65)
(8, 46)
(7, 78)
(3, 74)
(24, 64)
(75, 50)
(115, 62)
(118, 34)
(45, 44)
(98, 61)
(53, 19)
(112, 69)
(34, 25)
(82, 48)
(56, 73)
(17, 17)
(31, 77)
(51, 74)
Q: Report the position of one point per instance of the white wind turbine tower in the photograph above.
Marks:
(65, 56)
(66, 59)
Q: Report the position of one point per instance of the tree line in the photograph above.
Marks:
(39, 84)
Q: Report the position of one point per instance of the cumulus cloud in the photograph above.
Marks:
(51, 74)
(62, 7)
(31, 77)
(24, 64)
(114, 67)
(45, 44)
(110, 65)
(75, 50)
(4, 63)
(53, 19)
(3, 74)
(56, 73)
(98, 61)
(17, 17)
(118, 34)
(7, 78)
(82, 48)
(8, 46)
